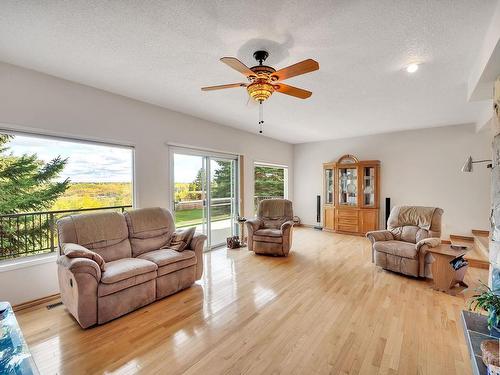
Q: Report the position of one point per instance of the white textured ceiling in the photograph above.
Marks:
(162, 52)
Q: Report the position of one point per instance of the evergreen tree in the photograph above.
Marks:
(26, 182)
(221, 186)
(269, 182)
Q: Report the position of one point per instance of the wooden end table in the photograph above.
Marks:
(445, 277)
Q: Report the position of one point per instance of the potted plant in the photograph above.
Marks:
(488, 300)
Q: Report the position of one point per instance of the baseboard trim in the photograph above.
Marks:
(35, 302)
(481, 233)
(306, 225)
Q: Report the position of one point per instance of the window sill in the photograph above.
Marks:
(30, 261)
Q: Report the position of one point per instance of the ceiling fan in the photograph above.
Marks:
(264, 80)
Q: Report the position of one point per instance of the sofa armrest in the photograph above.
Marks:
(422, 247)
(429, 242)
(286, 231)
(379, 235)
(286, 225)
(196, 244)
(73, 250)
(78, 283)
(80, 265)
(254, 224)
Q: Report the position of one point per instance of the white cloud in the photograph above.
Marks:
(86, 162)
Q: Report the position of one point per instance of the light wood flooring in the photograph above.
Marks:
(326, 309)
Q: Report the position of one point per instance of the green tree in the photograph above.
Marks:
(269, 181)
(26, 182)
(222, 181)
(197, 184)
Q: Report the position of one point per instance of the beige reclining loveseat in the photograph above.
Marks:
(111, 263)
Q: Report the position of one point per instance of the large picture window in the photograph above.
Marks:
(271, 181)
(44, 178)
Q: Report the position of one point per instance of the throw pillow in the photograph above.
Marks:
(181, 238)
(72, 250)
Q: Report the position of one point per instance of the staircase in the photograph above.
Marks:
(478, 243)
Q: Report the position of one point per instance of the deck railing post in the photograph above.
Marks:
(52, 232)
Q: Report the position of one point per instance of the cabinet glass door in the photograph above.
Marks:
(369, 186)
(329, 186)
(348, 186)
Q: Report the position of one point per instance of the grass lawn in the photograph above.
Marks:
(187, 218)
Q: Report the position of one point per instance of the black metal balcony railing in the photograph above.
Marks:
(34, 233)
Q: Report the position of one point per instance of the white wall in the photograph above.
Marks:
(36, 102)
(420, 167)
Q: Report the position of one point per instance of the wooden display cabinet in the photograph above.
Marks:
(351, 195)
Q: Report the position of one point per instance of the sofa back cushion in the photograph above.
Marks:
(149, 229)
(414, 223)
(105, 233)
(275, 212)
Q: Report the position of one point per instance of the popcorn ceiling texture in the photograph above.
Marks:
(163, 52)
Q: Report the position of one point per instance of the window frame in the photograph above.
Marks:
(7, 130)
(36, 259)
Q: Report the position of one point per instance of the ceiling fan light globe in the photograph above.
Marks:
(260, 91)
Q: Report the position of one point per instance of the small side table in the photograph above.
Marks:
(444, 275)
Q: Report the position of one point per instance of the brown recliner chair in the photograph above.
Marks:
(270, 233)
(411, 231)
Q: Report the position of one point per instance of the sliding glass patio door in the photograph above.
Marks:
(205, 193)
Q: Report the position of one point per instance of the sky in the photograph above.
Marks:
(186, 167)
(87, 162)
(92, 162)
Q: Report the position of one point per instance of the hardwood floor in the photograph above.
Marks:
(324, 309)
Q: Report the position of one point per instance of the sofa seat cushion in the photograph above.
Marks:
(126, 268)
(107, 289)
(268, 239)
(268, 232)
(169, 260)
(164, 257)
(397, 248)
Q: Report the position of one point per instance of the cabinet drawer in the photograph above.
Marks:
(347, 213)
(348, 220)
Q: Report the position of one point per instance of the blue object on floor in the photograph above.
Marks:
(15, 357)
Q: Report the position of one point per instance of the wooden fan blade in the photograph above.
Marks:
(302, 67)
(236, 64)
(220, 87)
(293, 91)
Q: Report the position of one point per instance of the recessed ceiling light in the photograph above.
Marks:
(412, 68)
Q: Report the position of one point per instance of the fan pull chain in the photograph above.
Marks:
(261, 116)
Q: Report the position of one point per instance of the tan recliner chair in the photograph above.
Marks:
(270, 233)
(411, 231)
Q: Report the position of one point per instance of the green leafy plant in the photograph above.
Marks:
(488, 300)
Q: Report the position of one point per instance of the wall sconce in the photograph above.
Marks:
(469, 162)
